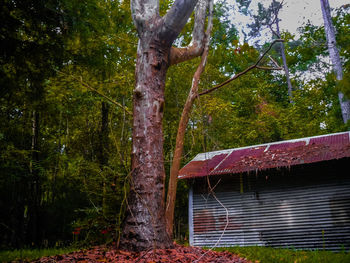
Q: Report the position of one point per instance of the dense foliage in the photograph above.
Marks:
(67, 74)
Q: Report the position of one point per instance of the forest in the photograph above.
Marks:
(66, 108)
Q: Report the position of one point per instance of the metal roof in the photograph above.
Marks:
(269, 155)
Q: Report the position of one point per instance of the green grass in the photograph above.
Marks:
(278, 255)
(26, 255)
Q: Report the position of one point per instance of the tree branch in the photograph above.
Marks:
(98, 92)
(269, 68)
(276, 11)
(195, 49)
(256, 65)
(274, 62)
(273, 31)
(176, 18)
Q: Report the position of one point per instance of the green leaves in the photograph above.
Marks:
(50, 45)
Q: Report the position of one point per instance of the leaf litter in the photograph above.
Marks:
(178, 254)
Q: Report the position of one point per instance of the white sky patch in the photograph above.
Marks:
(294, 14)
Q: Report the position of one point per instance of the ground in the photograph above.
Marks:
(178, 254)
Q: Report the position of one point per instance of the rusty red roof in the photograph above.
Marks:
(269, 155)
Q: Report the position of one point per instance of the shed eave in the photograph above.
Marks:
(269, 155)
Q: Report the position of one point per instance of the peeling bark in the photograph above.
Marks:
(195, 49)
(144, 226)
(335, 57)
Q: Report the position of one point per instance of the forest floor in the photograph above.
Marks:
(178, 254)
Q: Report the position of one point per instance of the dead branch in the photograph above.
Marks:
(86, 85)
(268, 68)
(256, 65)
(195, 49)
(274, 62)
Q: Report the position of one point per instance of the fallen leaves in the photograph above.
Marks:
(178, 254)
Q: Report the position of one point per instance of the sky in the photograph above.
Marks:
(294, 13)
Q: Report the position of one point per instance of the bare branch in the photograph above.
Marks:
(269, 68)
(275, 20)
(98, 92)
(242, 72)
(273, 31)
(274, 62)
(195, 49)
(106, 97)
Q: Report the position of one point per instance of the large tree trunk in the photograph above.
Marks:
(334, 55)
(145, 223)
(144, 226)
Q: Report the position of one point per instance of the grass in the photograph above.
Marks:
(26, 255)
(278, 255)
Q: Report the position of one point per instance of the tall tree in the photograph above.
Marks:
(334, 56)
(32, 48)
(145, 222)
(268, 18)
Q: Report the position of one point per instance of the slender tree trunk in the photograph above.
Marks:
(285, 65)
(335, 57)
(145, 222)
(35, 188)
(283, 55)
(185, 116)
(102, 152)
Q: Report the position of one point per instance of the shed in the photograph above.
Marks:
(293, 194)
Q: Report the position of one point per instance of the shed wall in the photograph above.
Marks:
(305, 207)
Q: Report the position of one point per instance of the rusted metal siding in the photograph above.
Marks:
(299, 208)
(270, 155)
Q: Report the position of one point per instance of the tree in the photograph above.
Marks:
(185, 116)
(334, 56)
(145, 222)
(54, 133)
(32, 47)
(268, 18)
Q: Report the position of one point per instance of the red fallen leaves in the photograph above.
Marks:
(178, 254)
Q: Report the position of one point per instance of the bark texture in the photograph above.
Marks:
(335, 57)
(144, 226)
(195, 49)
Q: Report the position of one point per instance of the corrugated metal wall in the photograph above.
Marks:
(308, 208)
